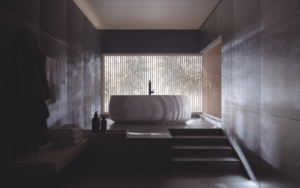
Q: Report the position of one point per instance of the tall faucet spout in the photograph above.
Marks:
(150, 88)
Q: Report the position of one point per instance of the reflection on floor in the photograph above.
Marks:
(156, 130)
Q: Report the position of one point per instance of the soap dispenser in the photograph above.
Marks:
(103, 124)
(95, 123)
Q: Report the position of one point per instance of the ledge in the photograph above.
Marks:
(212, 119)
(50, 159)
(109, 134)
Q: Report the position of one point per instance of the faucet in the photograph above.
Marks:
(150, 88)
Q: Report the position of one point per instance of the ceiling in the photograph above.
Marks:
(147, 14)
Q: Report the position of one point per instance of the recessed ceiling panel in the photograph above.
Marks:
(147, 14)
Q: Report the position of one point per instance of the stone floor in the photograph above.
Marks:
(154, 180)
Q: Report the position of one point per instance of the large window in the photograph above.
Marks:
(169, 75)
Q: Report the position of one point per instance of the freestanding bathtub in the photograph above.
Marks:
(150, 108)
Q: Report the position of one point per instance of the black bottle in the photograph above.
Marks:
(103, 125)
(95, 123)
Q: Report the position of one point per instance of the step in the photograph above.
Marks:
(199, 132)
(197, 136)
(201, 140)
(206, 159)
(204, 151)
(207, 165)
(200, 147)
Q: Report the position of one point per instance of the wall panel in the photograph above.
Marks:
(211, 86)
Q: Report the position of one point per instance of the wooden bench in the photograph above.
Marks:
(50, 159)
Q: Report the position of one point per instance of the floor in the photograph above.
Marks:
(74, 176)
(154, 180)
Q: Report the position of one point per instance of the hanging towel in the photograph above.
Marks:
(32, 79)
(32, 87)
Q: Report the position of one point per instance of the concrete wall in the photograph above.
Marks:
(65, 35)
(260, 84)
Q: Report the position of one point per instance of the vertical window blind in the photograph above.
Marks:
(169, 75)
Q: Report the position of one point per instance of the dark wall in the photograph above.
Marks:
(65, 35)
(149, 41)
(260, 84)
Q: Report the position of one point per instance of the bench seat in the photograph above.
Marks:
(50, 159)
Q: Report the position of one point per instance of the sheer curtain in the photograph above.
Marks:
(169, 74)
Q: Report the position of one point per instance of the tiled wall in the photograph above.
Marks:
(211, 81)
(66, 35)
(260, 84)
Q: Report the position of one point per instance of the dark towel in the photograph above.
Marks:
(31, 73)
(32, 87)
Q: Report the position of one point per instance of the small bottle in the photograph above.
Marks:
(103, 124)
(95, 123)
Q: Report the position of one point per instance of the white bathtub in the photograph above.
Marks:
(149, 108)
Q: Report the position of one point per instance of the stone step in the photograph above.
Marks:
(199, 132)
(200, 147)
(205, 159)
(200, 140)
(203, 151)
(197, 136)
(207, 164)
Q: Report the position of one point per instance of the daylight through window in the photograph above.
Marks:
(169, 74)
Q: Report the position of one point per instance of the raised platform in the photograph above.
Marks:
(154, 131)
(148, 147)
(50, 159)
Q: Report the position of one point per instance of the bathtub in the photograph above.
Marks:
(150, 108)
